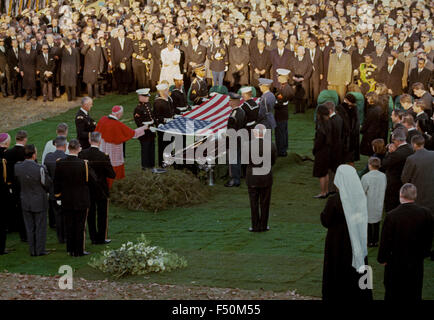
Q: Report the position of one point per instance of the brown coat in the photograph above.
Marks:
(339, 70)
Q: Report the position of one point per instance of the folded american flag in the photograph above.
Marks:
(205, 119)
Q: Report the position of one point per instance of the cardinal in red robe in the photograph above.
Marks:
(113, 135)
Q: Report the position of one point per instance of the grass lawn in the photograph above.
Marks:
(213, 236)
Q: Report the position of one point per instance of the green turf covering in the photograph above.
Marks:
(214, 236)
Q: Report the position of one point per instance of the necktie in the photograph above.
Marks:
(46, 58)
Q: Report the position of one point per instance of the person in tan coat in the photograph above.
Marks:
(339, 71)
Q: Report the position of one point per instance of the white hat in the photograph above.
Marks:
(283, 72)
(143, 92)
(178, 76)
(246, 89)
(265, 82)
(162, 86)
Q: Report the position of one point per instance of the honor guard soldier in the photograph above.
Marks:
(144, 115)
(99, 162)
(71, 189)
(178, 95)
(284, 93)
(163, 110)
(266, 104)
(236, 121)
(250, 107)
(199, 86)
(84, 123)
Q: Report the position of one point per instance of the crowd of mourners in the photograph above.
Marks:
(365, 66)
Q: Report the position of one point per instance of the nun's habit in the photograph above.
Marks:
(345, 254)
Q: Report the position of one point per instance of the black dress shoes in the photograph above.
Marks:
(253, 230)
(107, 241)
(232, 183)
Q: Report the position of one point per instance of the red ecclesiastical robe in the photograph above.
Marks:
(113, 134)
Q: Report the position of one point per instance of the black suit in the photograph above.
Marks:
(392, 80)
(406, 241)
(423, 77)
(84, 125)
(393, 164)
(259, 186)
(43, 66)
(99, 193)
(71, 187)
(121, 60)
(15, 77)
(16, 221)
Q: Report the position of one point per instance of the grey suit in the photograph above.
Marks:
(419, 170)
(34, 203)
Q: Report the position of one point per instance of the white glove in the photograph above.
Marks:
(160, 125)
(226, 68)
(59, 202)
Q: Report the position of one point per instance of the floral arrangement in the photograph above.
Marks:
(137, 259)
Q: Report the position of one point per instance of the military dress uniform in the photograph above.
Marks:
(84, 125)
(97, 219)
(284, 93)
(143, 114)
(71, 187)
(179, 100)
(141, 62)
(198, 90)
(163, 110)
(236, 121)
(251, 110)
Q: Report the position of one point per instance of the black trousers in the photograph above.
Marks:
(70, 92)
(75, 221)
(17, 86)
(161, 146)
(31, 93)
(93, 90)
(52, 214)
(47, 90)
(300, 105)
(373, 232)
(97, 220)
(58, 219)
(281, 135)
(4, 86)
(3, 228)
(259, 207)
(16, 220)
(148, 153)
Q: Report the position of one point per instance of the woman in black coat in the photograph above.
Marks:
(348, 112)
(321, 150)
(346, 252)
(372, 126)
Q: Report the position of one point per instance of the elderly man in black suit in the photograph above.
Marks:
(406, 240)
(34, 182)
(97, 219)
(50, 162)
(71, 189)
(393, 164)
(45, 67)
(259, 177)
(420, 74)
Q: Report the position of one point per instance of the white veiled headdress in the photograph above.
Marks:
(355, 207)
